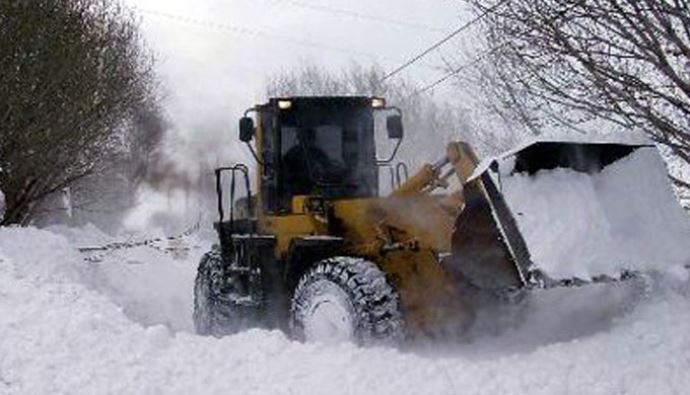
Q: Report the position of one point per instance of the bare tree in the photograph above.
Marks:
(73, 76)
(592, 64)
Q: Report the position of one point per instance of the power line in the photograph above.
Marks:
(480, 57)
(456, 71)
(358, 15)
(257, 33)
(443, 40)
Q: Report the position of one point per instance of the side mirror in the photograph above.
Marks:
(394, 126)
(246, 129)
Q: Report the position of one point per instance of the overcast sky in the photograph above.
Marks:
(217, 54)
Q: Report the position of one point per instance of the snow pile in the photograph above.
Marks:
(152, 287)
(39, 255)
(85, 236)
(59, 336)
(581, 225)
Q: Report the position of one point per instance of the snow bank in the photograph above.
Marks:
(59, 336)
(39, 255)
(151, 286)
(84, 236)
(581, 225)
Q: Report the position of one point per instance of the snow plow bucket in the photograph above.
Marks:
(555, 213)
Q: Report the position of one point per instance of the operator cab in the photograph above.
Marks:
(316, 146)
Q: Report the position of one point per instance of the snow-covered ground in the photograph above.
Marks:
(121, 326)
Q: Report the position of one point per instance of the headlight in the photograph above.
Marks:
(378, 102)
(284, 104)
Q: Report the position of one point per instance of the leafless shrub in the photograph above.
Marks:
(74, 75)
(584, 65)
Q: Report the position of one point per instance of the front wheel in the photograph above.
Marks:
(346, 299)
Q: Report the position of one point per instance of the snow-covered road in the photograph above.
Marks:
(122, 327)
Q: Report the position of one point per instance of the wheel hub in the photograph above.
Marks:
(329, 318)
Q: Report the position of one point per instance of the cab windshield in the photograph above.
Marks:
(328, 149)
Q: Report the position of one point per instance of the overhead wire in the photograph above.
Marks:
(359, 15)
(445, 39)
(257, 33)
(265, 35)
(457, 70)
(479, 58)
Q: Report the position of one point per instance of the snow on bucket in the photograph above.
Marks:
(554, 213)
(587, 210)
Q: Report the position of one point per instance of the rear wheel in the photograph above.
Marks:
(346, 299)
(215, 313)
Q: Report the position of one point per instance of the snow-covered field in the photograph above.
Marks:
(122, 326)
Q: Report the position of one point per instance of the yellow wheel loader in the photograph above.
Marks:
(319, 253)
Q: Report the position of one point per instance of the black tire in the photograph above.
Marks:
(213, 313)
(368, 306)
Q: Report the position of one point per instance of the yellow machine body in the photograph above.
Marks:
(405, 234)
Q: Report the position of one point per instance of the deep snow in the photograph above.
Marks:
(63, 332)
